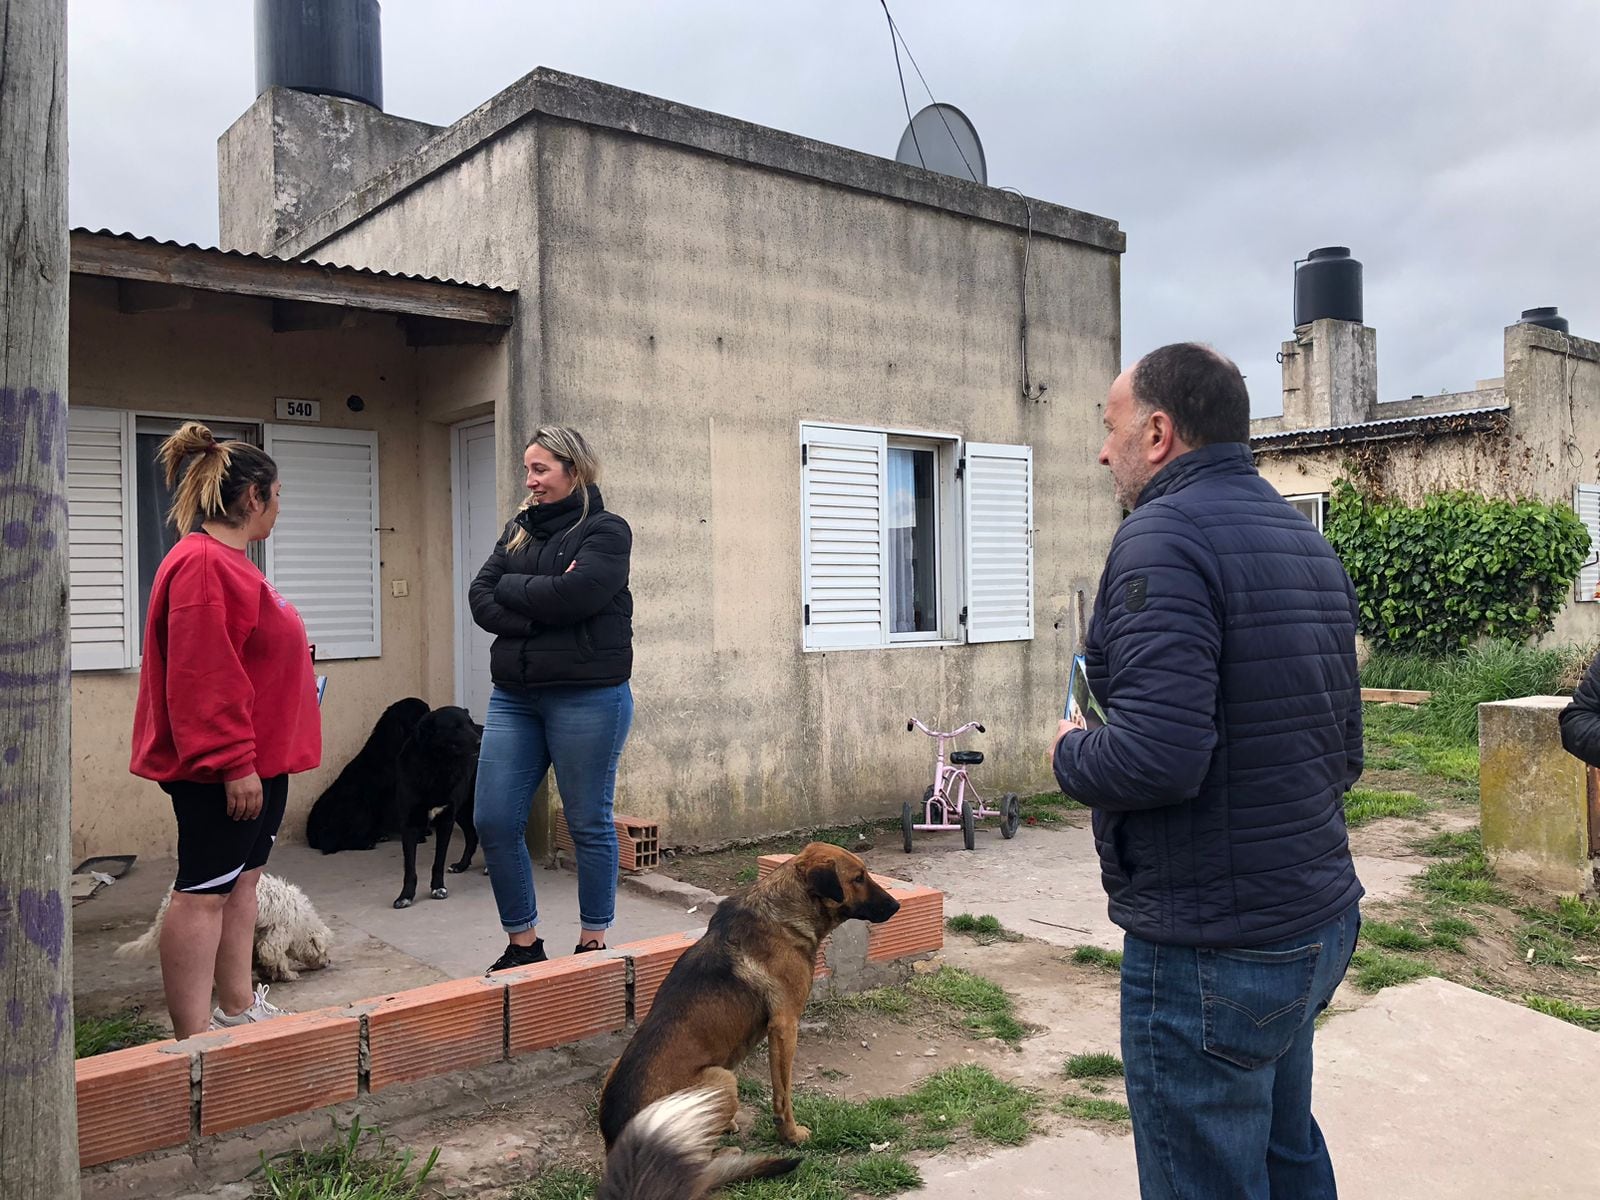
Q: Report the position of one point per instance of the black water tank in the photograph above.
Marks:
(1327, 284)
(328, 47)
(1549, 318)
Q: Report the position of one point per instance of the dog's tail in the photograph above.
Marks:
(666, 1152)
(142, 946)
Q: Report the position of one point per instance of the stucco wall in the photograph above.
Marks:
(1552, 442)
(688, 311)
(220, 358)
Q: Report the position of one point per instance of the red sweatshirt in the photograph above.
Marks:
(226, 687)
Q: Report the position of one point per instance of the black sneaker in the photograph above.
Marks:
(519, 956)
(589, 947)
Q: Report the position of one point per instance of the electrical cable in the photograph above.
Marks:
(894, 41)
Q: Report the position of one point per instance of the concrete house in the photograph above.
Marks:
(1534, 432)
(849, 407)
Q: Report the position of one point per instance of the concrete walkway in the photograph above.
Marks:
(1429, 1090)
(1422, 1091)
(378, 948)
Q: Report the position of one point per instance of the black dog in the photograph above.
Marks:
(354, 812)
(438, 771)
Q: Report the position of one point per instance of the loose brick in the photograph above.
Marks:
(285, 1065)
(567, 1000)
(638, 842)
(653, 958)
(131, 1101)
(434, 1030)
(917, 928)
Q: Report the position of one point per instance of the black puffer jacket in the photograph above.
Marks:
(1580, 720)
(557, 627)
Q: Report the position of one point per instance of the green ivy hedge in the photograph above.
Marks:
(1458, 567)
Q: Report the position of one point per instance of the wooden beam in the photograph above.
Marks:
(1394, 696)
(313, 283)
(135, 297)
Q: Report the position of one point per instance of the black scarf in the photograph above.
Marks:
(543, 521)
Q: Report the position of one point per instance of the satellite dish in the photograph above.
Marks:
(941, 139)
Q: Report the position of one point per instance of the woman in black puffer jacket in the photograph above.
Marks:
(555, 594)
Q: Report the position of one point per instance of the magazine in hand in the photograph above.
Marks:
(322, 686)
(1080, 699)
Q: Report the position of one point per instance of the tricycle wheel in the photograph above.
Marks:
(1010, 815)
(969, 825)
(907, 820)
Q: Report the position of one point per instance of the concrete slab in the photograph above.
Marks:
(377, 948)
(1428, 1090)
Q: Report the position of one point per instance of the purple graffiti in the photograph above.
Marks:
(28, 539)
(11, 755)
(49, 420)
(59, 1005)
(14, 1013)
(43, 920)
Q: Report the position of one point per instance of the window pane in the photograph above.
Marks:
(151, 499)
(913, 588)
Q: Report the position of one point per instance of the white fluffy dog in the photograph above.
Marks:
(288, 932)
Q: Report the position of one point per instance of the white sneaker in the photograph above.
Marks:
(260, 1010)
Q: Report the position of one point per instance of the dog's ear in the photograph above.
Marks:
(823, 882)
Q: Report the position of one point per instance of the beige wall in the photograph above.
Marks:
(688, 312)
(220, 358)
(1552, 442)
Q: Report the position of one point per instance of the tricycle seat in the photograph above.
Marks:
(966, 758)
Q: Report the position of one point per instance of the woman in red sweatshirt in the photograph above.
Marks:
(227, 712)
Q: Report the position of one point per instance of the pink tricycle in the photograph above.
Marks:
(951, 802)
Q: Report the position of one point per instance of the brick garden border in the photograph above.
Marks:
(169, 1094)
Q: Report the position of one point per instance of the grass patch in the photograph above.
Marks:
(1047, 808)
(1494, 670)
(1552, 934)
(1394, 937)
(1091, 1108)
(814, 1179)
(1541, 944)
(1364, 804)
(1465, 880)
(1575, 1014)
(1093, 1066)
(969, 1095)
(1377, 969)
(986, 1008)
(1453, 844)
(1400, 739)
(101, 1035)
(1447, 933)
(985, 930)
(881, 1175)
(359, 1164)
(1093, 956)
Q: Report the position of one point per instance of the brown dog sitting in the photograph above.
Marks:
(747, 978)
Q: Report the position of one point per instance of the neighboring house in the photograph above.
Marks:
(1533, 433)
(803, 368)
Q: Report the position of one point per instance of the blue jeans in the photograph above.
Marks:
(1216, 1045)
(580, 731)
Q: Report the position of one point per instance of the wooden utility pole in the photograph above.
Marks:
(38, 1109)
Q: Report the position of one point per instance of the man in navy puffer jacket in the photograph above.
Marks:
(1222, 649)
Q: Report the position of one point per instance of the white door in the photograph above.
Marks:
(478, 526)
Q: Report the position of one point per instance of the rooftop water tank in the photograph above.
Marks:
(327, 47)
(1327, 283)
(1549, 318)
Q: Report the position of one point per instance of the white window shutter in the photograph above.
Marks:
(843, 547)
(103, 598)
(323, 552)
(999, 542)
(1586, 500)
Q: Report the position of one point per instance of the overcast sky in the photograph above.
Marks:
(1454, 145)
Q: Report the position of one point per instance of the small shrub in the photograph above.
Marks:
(1393, 937)
(1093, 956)
(882, 1175)
(1576, 1014)
(359, 1164)
(1091, 1109)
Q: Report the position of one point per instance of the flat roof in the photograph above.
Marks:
(549, 93)
(100, 252)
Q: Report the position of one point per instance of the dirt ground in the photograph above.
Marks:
(487, 1152)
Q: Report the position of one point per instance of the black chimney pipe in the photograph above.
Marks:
(326, 47)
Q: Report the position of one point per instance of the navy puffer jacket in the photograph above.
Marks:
(1223, 650)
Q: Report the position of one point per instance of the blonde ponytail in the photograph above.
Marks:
(216, 485)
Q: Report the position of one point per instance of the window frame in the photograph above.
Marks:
(1321, 519)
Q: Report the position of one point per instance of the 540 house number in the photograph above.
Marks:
(299, 410)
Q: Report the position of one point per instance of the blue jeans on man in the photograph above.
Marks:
(1216, 1045)
(579, 730)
